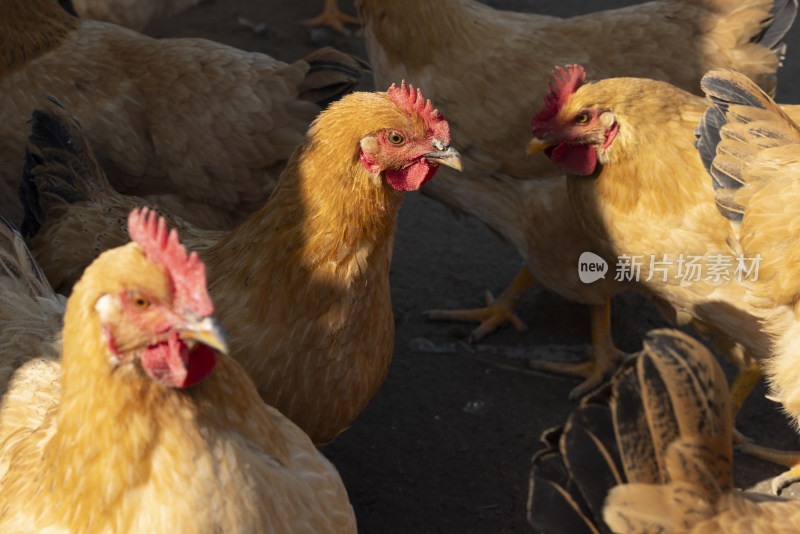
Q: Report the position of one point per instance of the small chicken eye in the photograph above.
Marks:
(582, 117)
(395, 138)
(139, 301)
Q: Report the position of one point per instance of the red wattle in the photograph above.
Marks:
(171, 363)
(575, 159)
(412, 177)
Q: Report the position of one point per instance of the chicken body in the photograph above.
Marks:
(133, 14)
(200, 128)
(302, 286)
(487, 69)
(654, 204)
(98, 444)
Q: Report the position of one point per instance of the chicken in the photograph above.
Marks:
(487, 70)
(751, 149)
(331, 16)
(133, 14)
(653, 453)
(146, 424)
(653, 209)
(200, 128)
(302, 286)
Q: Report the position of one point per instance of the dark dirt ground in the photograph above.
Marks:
(445, 445)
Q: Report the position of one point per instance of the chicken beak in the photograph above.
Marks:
(537, 145)
(449, 157)
(208, 332)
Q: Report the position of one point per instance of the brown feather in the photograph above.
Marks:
(200, 128)
(133, 14)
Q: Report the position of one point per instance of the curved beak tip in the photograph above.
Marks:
(450, 157)
(209, 332)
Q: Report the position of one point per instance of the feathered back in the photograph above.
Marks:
(751, 148)
(665, 418)
(741, 122)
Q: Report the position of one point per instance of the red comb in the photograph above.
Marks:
(186, 271)
(414, 103)
(567, 80)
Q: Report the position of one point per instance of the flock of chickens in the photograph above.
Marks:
(175, 367)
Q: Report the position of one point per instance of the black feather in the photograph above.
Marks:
(51, 140)
(68, 7)
(782, 17)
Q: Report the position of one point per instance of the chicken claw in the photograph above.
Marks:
(496, 312)
(604, 359)
(333, 18)
(790, 459)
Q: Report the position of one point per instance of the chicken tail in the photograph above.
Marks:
(741, 122)
(630, 455)
(573, 474)
(60, 167)
(331, 74)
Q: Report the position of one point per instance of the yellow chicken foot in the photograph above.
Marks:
(496, 312)
(790, 459)
(784, 480)
(740, 389)
(604, 359)
(332, 17)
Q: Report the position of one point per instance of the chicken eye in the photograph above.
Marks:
(582, 117)
(139, 301)
(395, 138)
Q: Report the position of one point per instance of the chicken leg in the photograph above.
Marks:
(743, 384)
(604, 359)
(332, 17)
(496, 312)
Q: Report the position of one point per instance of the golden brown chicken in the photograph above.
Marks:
(200, 128)
(651, 453)
(302, 286)
(146, 424)
(487, 68)
(752, 150)
(133, 14)
(642, 194)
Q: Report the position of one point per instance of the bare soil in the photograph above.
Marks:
(445, 445)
